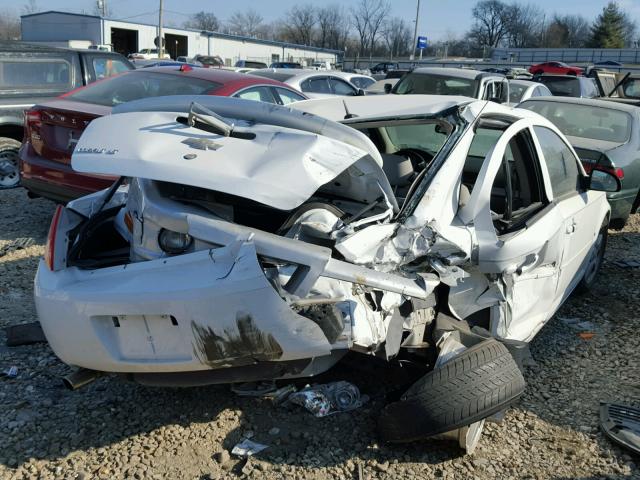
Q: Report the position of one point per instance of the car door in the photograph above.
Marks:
(341, 88)
(316, 87)
(519, 231)
(580, 229)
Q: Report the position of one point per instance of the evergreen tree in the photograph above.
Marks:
(609, 29)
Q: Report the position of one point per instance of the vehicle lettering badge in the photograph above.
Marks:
(202, 143)
(98, 150)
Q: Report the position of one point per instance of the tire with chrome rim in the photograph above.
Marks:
(594, 260)
(9, 168)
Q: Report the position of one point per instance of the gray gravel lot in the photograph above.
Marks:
(114, 429)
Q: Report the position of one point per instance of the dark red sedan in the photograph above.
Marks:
(558, 68)
(52, 129)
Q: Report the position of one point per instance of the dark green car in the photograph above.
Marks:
(603, 133)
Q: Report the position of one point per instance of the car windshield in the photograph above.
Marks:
(425, 136)
(515, 92)
(209, 61)
(430, 84)
(139, 84)
(562, 86)
(585, 121)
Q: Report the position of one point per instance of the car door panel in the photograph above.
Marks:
(525, 263)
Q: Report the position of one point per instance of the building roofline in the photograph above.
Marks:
(204, 32)
(59, 12)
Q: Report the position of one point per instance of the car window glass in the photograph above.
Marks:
(108, 67)
(316, 85)
(427, 136)
(429, 84)
(631, 87)
(54, 74)
(287, 96)
(259, 94)
(362, 82)
(563, 86)
(585, 121)
(140, 84)
(340, 87)
(561, 162)
(516, 92)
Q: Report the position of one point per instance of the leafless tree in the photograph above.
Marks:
(396, 34)
(203, 21)
(490, 22)
(572, 31)
(367, 17)
(30, 7)
(299, 23)
(247, 23)
(9, 25)
(524, 25)
(333, 27)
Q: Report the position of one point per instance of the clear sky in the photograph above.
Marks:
(438, 18)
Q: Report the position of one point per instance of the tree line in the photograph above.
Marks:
(369, 29)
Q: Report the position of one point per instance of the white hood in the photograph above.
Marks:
(280, 167)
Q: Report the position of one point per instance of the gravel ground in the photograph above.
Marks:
(114, 429)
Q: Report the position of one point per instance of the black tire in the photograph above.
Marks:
(479, 382)
(9, 152)
(588, 281)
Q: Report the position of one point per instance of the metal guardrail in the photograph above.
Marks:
(479, 65)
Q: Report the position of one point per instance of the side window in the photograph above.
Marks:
(560, 161)
(316, 85)
(489, 91)
(517, 191)
(288, 96)
(259, 94)
(340, 87)
(105, 67)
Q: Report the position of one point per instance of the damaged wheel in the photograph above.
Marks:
(479, 382)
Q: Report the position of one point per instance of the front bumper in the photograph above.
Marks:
(205, 310)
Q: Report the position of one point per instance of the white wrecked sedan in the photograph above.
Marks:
(247, 241)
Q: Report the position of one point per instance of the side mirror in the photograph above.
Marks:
(495, 99)
(387, 88)
(602, 181)
(360, 92)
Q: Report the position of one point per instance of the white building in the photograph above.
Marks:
(127, 37)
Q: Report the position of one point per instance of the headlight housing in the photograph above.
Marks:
(174, 242)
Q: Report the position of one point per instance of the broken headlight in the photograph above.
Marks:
(174, 242)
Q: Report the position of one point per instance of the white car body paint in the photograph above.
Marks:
(233, 277)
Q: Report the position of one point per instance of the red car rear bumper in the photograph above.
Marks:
(56, 181)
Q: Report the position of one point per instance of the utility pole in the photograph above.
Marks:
(160, 33)
(415, 33)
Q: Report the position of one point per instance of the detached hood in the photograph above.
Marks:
(280, 167)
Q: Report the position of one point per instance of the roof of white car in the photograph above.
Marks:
(380, 106)
(455, 72)
(524, 83)
(296, 73)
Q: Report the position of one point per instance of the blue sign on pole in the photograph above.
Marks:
(422, 42)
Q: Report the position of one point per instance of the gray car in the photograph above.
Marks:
(313, 83)
(605, 135)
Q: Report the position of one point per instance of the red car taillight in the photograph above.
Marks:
(50, 247)
(33, 123)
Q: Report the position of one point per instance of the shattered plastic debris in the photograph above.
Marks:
(264, 390)
(586, 335)
(330, 398)
(247, 447)
(11, 372)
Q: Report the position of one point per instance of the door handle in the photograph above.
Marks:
(571, 228)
